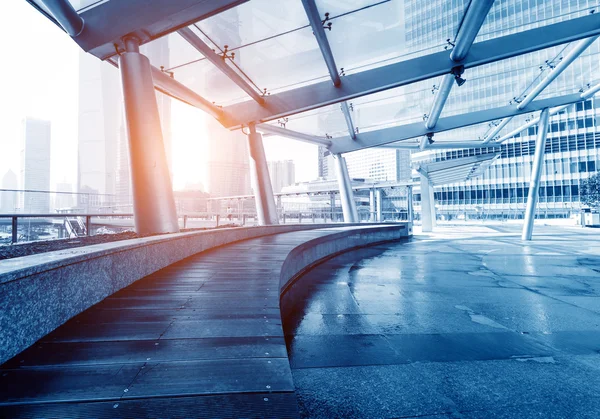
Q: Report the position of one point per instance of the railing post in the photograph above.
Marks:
(15, 236)
(217, 218)
(243, 219)
(185, 221)
(88, 223)
(299, 218)
(284, 218)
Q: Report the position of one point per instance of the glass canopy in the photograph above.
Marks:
(290, 59)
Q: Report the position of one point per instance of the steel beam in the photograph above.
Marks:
(417, 129)
(474, 18)
(536, 174)
(153, 202)
(177, 90)
(591, 91)
(469, 28)
(557, 71)
(312, 12)
(219, 62)
(492, 135)
(584, 96)
(349, 122)
(439, 101)
(106, 23)
(294, 135)
(409, 71)
(66, 16)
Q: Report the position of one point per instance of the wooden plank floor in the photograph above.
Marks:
(200, 338)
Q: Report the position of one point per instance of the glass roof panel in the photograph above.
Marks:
(512, 16)
(498, 84)
(254, 21)
(283, 62)
(170, 52)
(399, 106)
(180, 51)
(80, 5)
(209, 82)
(391, 30)
(580, 73)
(326, 121)
(337, 7)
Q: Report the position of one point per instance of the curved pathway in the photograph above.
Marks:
(200, 338)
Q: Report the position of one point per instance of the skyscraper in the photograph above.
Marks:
(282, 173)
(8, 198)
(100, 116)
(35, 166)
(228, 161)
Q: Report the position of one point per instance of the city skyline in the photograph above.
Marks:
(58, 103)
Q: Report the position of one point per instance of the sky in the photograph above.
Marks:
(40, 80)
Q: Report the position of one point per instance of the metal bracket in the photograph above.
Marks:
(326, 25)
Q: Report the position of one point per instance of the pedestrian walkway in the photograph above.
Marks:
(466, 322)
(200, 338)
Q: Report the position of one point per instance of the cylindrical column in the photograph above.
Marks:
(372, 216)
(536, 174)
(346, 194)
(153, 203)
(379, 201)
(409, 204)
(266, 210)
(432, 200)
(426, 221)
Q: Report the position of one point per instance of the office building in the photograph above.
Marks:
(572, 151)
(35, 166)
(8, 197)
(283, 173)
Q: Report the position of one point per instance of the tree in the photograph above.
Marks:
(590, 191)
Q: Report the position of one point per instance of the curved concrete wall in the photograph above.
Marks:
(315, 251)
(41, 292)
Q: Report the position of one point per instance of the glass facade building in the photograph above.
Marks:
(572, 150)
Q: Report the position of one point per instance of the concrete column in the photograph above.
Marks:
(346, 194)
(379, 201)
(372, 215)
(536, 174)
(409, 204)
(266, 210)
(426, 204)
(153, 202)
(433, 214)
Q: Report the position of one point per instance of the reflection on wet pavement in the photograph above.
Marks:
(455, 324)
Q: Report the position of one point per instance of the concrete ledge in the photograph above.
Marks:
(308, 254)
(38, 293)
